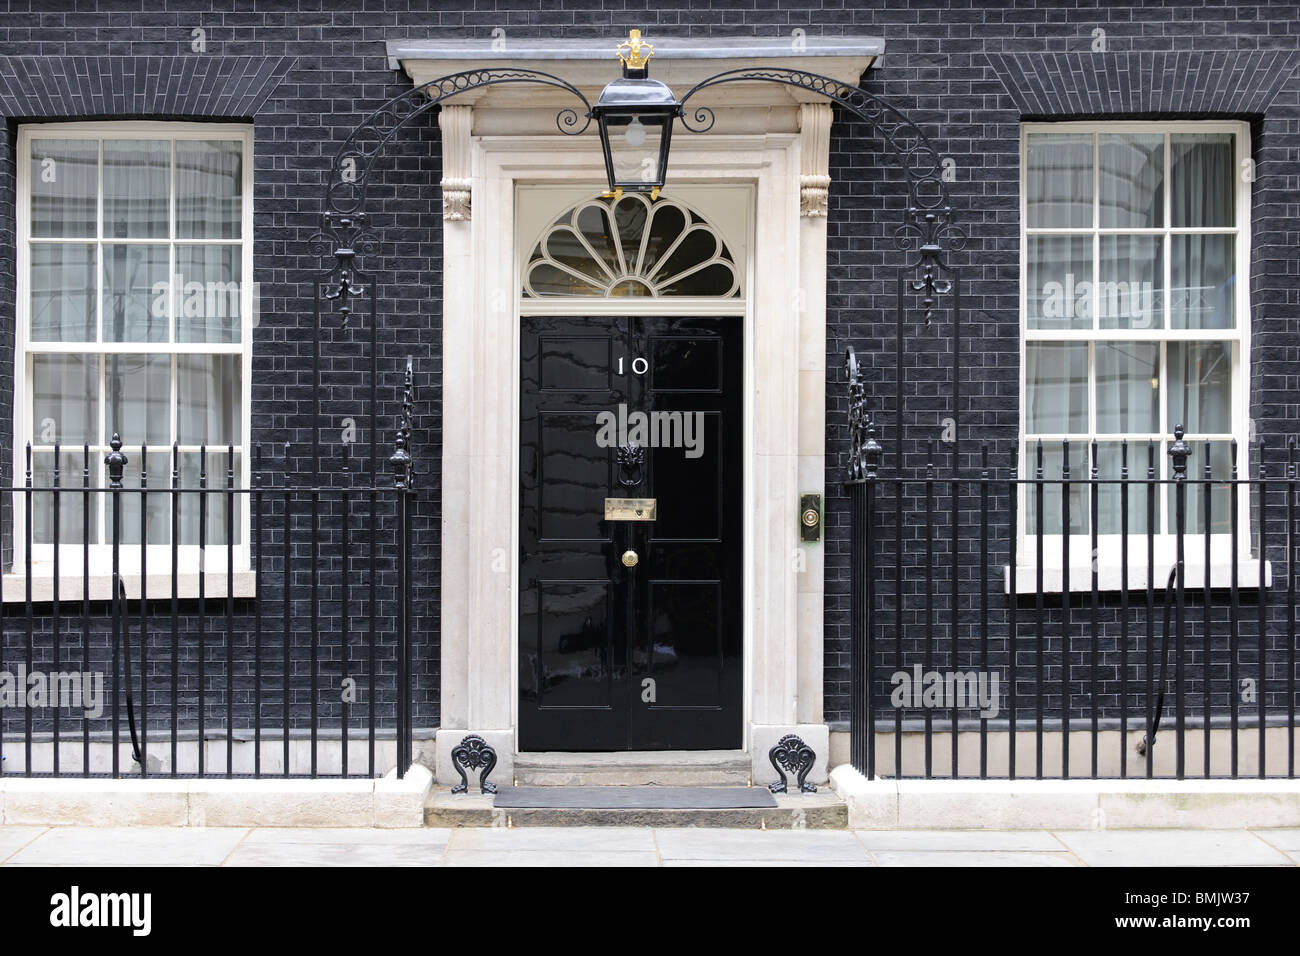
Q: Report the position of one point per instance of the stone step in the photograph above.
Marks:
(695, 768)
(812, 811)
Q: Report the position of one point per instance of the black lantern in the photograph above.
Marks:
(636, 116)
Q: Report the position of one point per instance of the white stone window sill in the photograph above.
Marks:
(1110, 576)
(158, 586)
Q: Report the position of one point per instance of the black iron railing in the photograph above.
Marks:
(1076, 620)
(151, 625)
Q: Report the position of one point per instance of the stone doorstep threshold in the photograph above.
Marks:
(1066, 804)
(808, 811)
(702, 768)
(385, 802)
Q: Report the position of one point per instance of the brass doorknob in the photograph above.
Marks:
(630, 559)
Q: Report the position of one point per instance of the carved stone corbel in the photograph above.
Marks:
(814, 150)
(454, 121)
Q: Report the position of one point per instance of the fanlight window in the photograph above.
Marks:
(631, 246)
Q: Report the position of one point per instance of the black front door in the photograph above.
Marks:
(630, 630)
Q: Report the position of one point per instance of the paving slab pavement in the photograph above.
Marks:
(1172, 848)
(950, 840)
(972, 858)
(128, 846)
(1286, 840)
(13, 839)
(810, 846)
(548, 858)
(638, 846)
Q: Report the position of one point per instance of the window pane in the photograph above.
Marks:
(1058, 180)
(634, 147)
(1053, 501)
(712, 280)
(208, 397)
(593, 221)
(1202, 271)
(699, 245)
(63, 292)
(65, 399)
(74, 507)
(1220, 492)
(64, 173)
(1110, 497)
(1131, 179)
(207, 306)
(1200, 387)
(209, 188)
(1201, 179)
(135, 188)
(1128, 387)
(1056, 376)
(546, 279)
(657, 229)
(219, 506)
(1059, 295)
(158, 516)
(139, 398)
(135, 293)
(1132, 283)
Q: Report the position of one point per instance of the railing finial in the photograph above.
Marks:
(116, 462)
(861, 432)
(1179, 452)
(400, 461)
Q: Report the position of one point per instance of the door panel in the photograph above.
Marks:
(573, 477)
(576, 646)
(647, 657)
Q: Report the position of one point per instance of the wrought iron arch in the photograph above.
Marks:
(345, 233)
(927, 232)
(345, 191)
(928, 229)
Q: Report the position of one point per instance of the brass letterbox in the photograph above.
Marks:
(630, 509)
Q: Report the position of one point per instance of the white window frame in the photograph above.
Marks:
(1109, 545)
(158, 555)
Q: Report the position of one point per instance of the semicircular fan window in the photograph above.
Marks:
(632, 246)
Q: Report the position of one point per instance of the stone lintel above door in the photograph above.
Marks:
(681, 62)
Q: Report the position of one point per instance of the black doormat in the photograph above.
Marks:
(634, 798)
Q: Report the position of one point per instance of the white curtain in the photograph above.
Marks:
(1200, 387)
(1131, 180)
(136, 187)
(1127, 394)
(209, 177)
(1202, 267)
(1056, 379)
(1058, 180)
(64, 177)
(208, 399)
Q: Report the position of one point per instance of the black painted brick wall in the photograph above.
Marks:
(968, 71)
(970, 75)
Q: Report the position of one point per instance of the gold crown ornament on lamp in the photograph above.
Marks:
(635, 117)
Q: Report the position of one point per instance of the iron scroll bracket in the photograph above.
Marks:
(928, 224)
(345, 192)
(473, 752)
(791, 755)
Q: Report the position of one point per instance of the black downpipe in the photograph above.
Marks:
(126, 675)
(1153, 722)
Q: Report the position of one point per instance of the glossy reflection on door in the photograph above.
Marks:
(630, 631)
